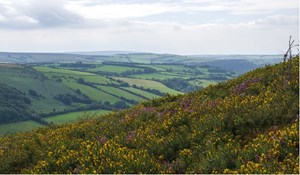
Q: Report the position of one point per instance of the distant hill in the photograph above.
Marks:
(237, 65)
(136, 57)
(247, 125)
(103, 53)
(18, 57)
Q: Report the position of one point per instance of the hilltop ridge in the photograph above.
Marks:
(245, 125)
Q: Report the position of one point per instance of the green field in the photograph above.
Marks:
(18, 127)
(114, 69)
(73, 116)
(93, 93)
(175, 68)
(157, 68)
(57, 119)
(203, 83)
(61, 71)
(148, 84)
(121, 93)
(158, 76)
(27, 79)
(141, 92)
(98, 79)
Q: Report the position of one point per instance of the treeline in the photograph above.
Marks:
(68, 99)
(153, 91)
(14, 105)
(78, 64)
(106, 105)
(180, 84)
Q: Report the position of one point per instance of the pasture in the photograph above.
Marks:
(114, 69)
(121, 93)
(18, 127)
(148, 84)
(73, 116)
(146, 94)
(157, 76)
(93, 93)
(61, 71)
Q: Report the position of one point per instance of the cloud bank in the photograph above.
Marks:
(177, 26)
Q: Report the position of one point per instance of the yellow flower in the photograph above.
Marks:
(50, 154)
(185, 152)
(1, 152)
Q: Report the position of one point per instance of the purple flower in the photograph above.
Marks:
(257, 157)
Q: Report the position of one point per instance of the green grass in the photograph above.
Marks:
(141, 92)
(18, 127)
(159, 76)
(148, 84)
(73, 116)
(121, 93)
(114, 69)
(93, 93)
(61, 71)
(96, 79)
(175, 68)
(203, 83)
(203, 70)
(65, 74)
(156, 67)
(25, 80)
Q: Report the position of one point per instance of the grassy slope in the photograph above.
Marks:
(121, 93)
(246, 125)
(93, 93)
(73, 116)
(62, 71)
(159, 76)
(141, 92)
(18, 127)
(26, 79)
(114, 69)
(148, 84)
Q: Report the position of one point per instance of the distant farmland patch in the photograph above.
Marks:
(148, 84)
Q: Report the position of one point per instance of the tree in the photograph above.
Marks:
(80, 80)
(121, 105)
(32, 93)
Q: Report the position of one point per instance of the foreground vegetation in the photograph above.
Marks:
(246, 125)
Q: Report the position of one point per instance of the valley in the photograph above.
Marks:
(57, 91)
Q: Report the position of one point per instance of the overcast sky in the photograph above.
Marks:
(159, 26)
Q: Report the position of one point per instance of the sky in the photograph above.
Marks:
(186, 27)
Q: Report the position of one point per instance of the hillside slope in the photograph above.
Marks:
(25, 92)
(246, 125)
(13, 104)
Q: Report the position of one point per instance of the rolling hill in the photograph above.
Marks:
(245, 125)
(240, 63)
(59, 89)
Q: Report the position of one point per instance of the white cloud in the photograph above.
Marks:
(82, 13)
(112, 11)
(160, 37)
(279, 20)
(36, 13)
(70, 25)
(263, 6)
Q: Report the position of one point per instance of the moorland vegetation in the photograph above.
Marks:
(245, 125)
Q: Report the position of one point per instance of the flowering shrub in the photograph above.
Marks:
(245, 125)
